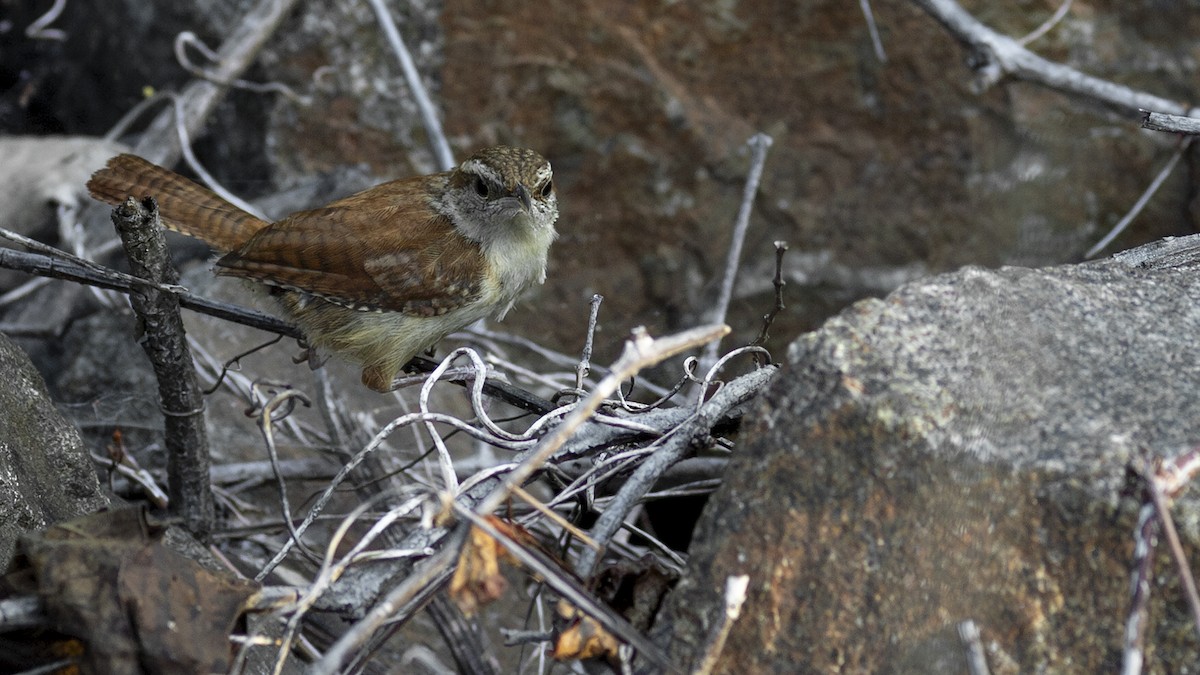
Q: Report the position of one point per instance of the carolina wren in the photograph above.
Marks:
(383, 274)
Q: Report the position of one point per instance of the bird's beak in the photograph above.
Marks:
(522, 195)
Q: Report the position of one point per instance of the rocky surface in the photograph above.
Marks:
(881, 170)
(959, 450)
(46, 475)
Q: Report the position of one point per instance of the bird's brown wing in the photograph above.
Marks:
(382, 249)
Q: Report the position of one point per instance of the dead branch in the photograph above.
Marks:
(996, 55)
(103, 277)
(1179, 124)
(585, 359)
(166, 345)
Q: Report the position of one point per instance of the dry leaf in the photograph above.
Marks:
(477, 580)
(581, 636)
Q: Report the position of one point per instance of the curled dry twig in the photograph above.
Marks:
(160, 142)
(40, 28)
(487, 496)
(188, 38)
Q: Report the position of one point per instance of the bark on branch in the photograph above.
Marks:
(165, 342)
(997, 55)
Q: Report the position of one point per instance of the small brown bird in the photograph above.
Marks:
(383, 274)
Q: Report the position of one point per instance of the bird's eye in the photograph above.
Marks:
(547, 189)
(480, 186)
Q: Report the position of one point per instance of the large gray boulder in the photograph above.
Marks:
(960, 450)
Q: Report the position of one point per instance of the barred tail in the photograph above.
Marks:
(184, 206)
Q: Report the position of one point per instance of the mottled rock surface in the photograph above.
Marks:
(45, 473)
(959, 450)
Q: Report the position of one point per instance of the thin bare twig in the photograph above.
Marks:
(232, 363)
(670, 450)
(570, 590)
(1164, 479)
(1047, 24)
(968, 632)
(445, 461)
(354, 462)
(735, 597)
(187, 37)
(1142, 200)
(873, 29)
(248, 474)
(641, 351)
(585, 361)
(1133, 644)
(1167, 523)
(781, 248)
(652, 542)
(122, 126)
(40, 28)
(429, 114)
(554, 357)
(468, 646)
(1176, 473)
(46, 249)
(759, 145)
(103, 277)
(268, 414)
(554, 517)
(490, 433)
(128, 467)
(997, 55)
(426, 578)
(185, 147)
(331, 568)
